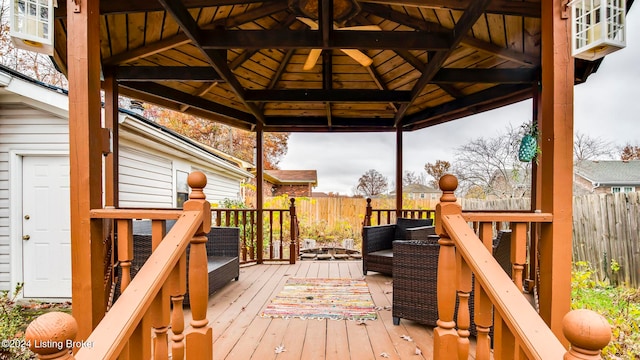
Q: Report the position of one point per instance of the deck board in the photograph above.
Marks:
(240, 333)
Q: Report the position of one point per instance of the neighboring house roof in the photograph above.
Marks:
(609, 172)
(292, 177)
(419, 188)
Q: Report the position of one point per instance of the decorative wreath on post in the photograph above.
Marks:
(529, 143)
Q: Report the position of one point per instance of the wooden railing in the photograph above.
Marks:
(138, 323)
(280, 230)
(519, 332)
(374, 217)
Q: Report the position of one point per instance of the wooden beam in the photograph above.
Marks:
(127, 6)
(269, 8)
(556, 166)
(501, 7)
(167, 73)
(419, 24)
(112, 113)
(335, 95)
(312, 39)
(398, 172)
(385, 124)
(418, 65)
(148, 50)
(219, 61)
(168, 93)
(259, 191)
(487, 76)
(85, 157)
(464, 24)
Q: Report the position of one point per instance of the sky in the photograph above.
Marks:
(607, 106)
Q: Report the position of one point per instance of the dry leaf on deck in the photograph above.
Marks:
(406, 337)
(280, 349)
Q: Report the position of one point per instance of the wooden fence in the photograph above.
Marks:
(605, 227)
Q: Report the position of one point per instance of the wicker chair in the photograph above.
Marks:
(377, 243)
(223, 247)
(415, 274)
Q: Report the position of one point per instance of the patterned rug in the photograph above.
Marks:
(320, 298)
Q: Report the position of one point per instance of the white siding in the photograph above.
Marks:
(220, 187)
(22, 128)
(145, 180)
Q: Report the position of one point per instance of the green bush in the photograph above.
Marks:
(13, 322)
(620, 305)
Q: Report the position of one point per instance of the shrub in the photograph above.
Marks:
(618, 304)
(12, 325)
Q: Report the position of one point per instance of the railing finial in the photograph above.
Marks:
(197, 181)
(448, 184)
(51, 335)
(587, 331)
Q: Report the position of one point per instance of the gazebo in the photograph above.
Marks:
(319, 66)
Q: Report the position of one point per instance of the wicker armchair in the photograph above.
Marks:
(223, 247)
(377, 243)
(415, 275)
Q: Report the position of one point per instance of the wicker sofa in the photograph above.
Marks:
(377, 243)
(223, 247)
(415, 274)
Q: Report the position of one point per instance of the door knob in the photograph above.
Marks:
(26, 237)
(27, 217)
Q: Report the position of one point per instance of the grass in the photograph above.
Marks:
(620, 305)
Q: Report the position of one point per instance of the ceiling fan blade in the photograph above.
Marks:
(358, 56)
(314, 54)
(310, 23)
(362, 28)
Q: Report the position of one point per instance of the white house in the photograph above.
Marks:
(34, 180)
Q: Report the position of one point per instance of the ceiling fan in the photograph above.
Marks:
(355, 54)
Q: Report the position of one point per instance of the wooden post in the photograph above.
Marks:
(464, 316)
(588, 332)
(483, 308)
(199, 341)
(259, 191)
(556, 166)
(51, 336)
(398, 171)
(293, 253)
(368, 213)
(445, 337)
(177, 288)
(85, 153)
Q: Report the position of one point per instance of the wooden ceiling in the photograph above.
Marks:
(240, 62)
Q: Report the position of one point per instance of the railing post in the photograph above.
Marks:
(482, 312)
(199, 340)
(51, 336)
(445, 337)
(293, 222)
(368, 213)
(588, 332)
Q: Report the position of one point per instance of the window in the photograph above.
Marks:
(182, 188)
(625, 189)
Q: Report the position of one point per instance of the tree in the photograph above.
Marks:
(491, 167)
(410, 177)
(233, 141)
(372, 183)
(586, 147)
(436, 170)
(630, 152)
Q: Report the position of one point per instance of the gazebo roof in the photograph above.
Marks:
(240, 62)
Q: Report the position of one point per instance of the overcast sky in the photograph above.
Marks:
(606, 106)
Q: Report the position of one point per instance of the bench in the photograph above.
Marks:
(223, 248)
(377, 243)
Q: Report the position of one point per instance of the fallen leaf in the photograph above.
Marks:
(362, 322)
(384, 355)
(406, 337)
(418, 351)
(280, 349)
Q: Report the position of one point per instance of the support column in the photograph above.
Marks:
(398, 171)
(85, 147)
(556, 166)
(112, 113)
(259, 189)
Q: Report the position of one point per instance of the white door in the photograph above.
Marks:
(46, 239)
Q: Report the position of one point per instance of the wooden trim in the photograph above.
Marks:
(508, 217)
(399, 171)
(259, 191)
(171, 214)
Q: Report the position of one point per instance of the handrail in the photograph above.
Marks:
(152, 300)
(519, 330)
(521, 318)
(110, 336)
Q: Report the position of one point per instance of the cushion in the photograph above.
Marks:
(403, 224)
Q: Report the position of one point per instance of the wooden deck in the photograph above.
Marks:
(240, 333)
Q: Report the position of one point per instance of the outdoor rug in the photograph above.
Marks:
(322, 298)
